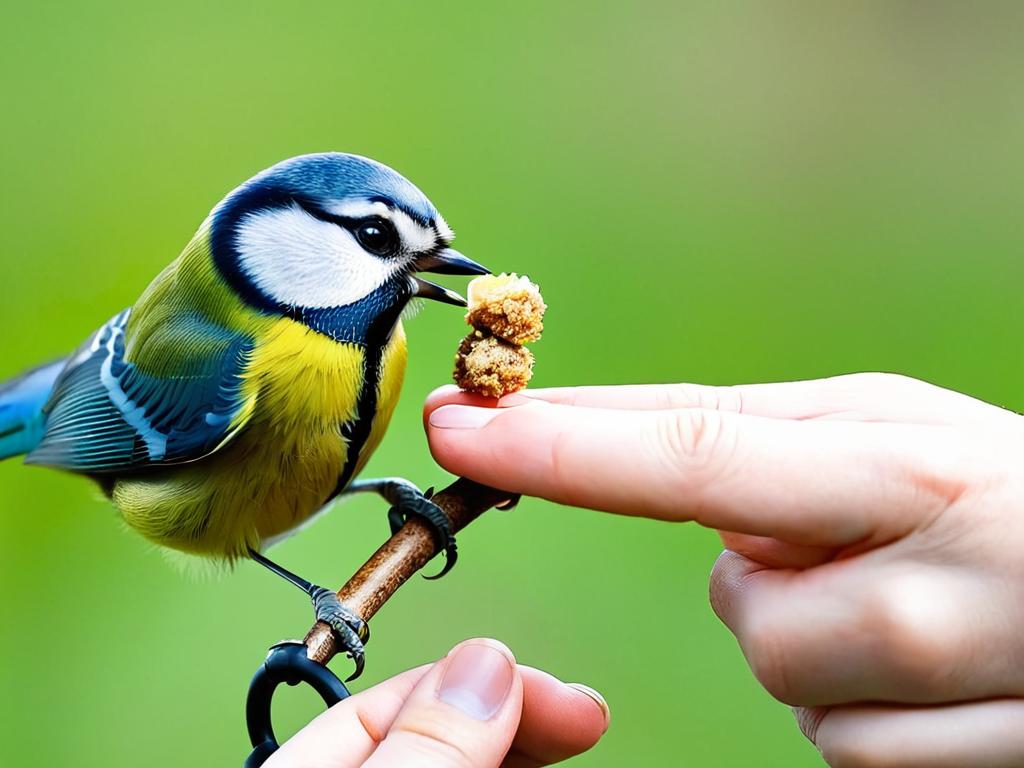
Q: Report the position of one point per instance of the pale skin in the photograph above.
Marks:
(474, 708)
(874, 530)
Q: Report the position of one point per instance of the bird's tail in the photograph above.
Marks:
(21, 408)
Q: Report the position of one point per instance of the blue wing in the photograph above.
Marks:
(21, 408)
(107, 415)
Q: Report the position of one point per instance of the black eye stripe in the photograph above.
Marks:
(348, 222)
(390, 247)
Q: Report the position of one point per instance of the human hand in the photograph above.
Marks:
(874, 526)
(475, 708)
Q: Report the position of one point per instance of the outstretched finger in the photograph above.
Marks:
(827, 483)
(852, 397)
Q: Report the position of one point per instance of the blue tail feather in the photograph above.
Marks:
(21, 408)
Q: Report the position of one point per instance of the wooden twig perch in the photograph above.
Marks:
(400, 557)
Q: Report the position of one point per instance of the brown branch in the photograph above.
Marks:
(400, 557)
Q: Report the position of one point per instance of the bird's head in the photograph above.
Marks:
(335, 241)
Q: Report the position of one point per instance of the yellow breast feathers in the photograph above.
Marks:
(286, 461)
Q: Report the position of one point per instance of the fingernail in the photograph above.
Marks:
(477, 680)
(462, 417)
(598, 699)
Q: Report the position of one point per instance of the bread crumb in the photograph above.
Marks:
(507, 306)
(491, 366)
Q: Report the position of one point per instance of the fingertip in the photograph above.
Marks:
(560, 720)
(440, 396)
(443, 394)
(599, 700)
(726, 582)
(450, 394)
(490, 642)
(481, 679)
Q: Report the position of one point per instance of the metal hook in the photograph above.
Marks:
(285, 663)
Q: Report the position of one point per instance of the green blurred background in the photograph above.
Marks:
(713, 193)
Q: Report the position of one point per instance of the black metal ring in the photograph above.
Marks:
(285, 663)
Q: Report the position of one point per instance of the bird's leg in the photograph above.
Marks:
(409, 501)
(351, 632)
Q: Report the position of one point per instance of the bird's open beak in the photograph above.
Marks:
(425, 289)
(445, 262)
(450, 262)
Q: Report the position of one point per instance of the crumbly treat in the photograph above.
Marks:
(506, 312)
(507, 306)
(491, 366)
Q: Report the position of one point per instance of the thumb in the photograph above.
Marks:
(462, 714)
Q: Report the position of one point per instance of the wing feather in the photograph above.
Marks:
(107, 414)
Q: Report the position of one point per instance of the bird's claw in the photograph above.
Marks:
(509, 504)
(413, 503)
(350, 631)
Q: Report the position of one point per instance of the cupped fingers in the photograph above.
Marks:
(868, 629)
(985, 734)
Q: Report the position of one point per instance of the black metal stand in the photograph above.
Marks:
(285, 663)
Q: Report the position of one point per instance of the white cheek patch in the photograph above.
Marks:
(301, 261)
(446, 233)
(415, 237)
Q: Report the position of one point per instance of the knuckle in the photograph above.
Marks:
(691, 435)
(709, 398)
(698, 441)
(880, 381)
(909, 619)
(677, 396)
(858, 391)
(936, 490)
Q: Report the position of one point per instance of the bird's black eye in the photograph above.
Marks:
(376, 235)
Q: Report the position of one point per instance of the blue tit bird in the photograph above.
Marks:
(254, 377)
